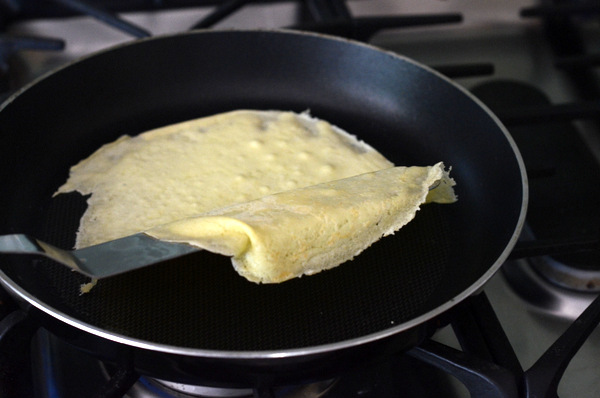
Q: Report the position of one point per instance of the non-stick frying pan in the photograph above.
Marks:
(195, 318)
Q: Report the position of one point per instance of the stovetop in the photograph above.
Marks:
(509, 55)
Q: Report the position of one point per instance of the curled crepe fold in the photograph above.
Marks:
(307, 230)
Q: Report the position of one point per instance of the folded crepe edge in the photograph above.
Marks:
(226, 235)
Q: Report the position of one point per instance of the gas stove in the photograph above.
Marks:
(535, 64)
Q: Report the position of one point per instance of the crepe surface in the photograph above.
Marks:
(284, 194)
(192, 167)
(308, 230)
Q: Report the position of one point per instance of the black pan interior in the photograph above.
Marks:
(411, 115)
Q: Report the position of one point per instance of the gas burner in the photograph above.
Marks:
(565, 276)
(154, 388)
(149, 387)
(186, 390)
(543, 295)
(551, 286)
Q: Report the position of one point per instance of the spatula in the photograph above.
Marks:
(103, 260)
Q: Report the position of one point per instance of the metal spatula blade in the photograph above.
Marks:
(103, 260)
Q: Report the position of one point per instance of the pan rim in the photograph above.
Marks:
(299, 351)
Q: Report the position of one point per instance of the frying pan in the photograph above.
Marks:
(195, 319)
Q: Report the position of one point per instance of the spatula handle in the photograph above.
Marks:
(19, 243)
(24, 244)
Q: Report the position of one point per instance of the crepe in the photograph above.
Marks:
(284, 194)
(192, 167)
(308, 230)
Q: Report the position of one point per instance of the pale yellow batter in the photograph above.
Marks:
(269, 188)
(192, 167)
(308, 230)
